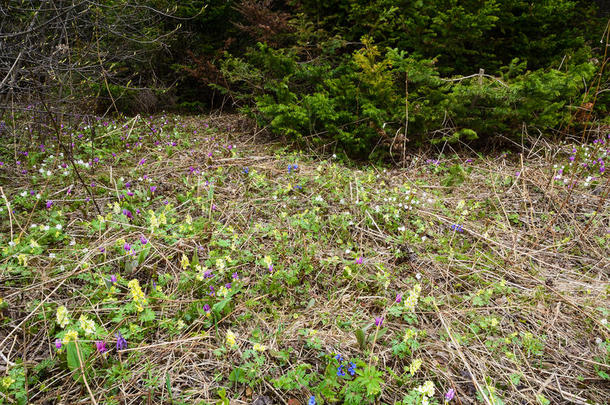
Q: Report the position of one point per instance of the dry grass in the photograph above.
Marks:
(534, 251)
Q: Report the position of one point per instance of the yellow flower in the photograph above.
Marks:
(259, 348)
(7, 382)
(154, 223)
(411, 301)
(188, 219)
(230, 339)
(23, 259)
(409, 334)
(414, 367)
(137, 294)
(222, 291)
(267, 261)
(200, 272)
(62, 316)
(87, 325)
(220, 263)
(184, 262)
(70, 336)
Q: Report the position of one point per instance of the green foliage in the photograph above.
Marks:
(358, 103)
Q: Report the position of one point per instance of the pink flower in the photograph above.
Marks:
(450, 394)
(100, 345)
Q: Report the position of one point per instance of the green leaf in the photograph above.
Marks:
(168, 385)
(361, 338)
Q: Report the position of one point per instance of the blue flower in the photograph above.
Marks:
(340, 371)
(351, 369)
(312, 400)
(339, 357)
(246, 170)
(457, 228)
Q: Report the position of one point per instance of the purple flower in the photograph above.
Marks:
(153, 189)
(206, 308)
(450, 394)
(121, 343)
(128, 214)
(127, 247)
(143, 240)
(398, 298)
(379, 321)
(359, 260)
(113, 279)
(207, 274)
(49, 204)
(228, 286)
(58, 344)
(102, 249)
(212, 292)
(142, 161)
(127, 185)
(100, 345)
(235, 276)
(270, 268)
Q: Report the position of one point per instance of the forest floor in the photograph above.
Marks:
(191, 260)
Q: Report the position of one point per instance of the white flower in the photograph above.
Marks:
(58, 226)
(46, 227)
(87, 325)
(62, 316)
(52, 255)
(23, 193)
(72, 242)
(418, 276)
(427, 389)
